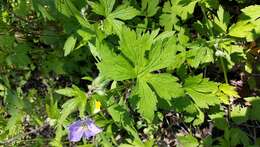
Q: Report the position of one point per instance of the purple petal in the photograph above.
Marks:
(88, 134)
(76, 131)
(76, 124)
(91, 130)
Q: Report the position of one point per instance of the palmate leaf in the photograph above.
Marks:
(202, 91)
(139, 55)
(239, 114)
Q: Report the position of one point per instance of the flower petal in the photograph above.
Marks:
(93, 128)
(87, 134)
(76, 131)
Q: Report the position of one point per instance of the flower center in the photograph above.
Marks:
(85, 126)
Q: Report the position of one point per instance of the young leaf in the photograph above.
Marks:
(69, 45)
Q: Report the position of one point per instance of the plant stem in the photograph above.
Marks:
(224, 69)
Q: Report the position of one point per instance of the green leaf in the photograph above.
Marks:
(121, 116)
(210, 3)
(66, 92)
(20, 56)
(199, 53)
(162, 55)
(112, 22)
(202, 91)
(222, 20)
(124, 12)
(247, 26)
(97, 8)
(134, 46)
(78, 102)
(239, 114)
(251, 12)
(113, 66)
(166, 86)
(108, 6)
(200, 117)
(103, 7)
(228, 90)
(14, 124)
(238, 136)
(241, 29)
(138, 143)
(187, 141)
(148, 100)
(201, 84)
(168, 21)
(203, 100)
(171, 11)
(74, 12)
(69, 45)
(150, 7)
(253, 110)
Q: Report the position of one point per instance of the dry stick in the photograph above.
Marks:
(8, 141)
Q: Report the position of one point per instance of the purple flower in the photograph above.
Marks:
(83, 128)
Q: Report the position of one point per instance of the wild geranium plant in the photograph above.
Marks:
(129, 73)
